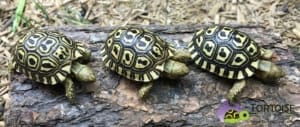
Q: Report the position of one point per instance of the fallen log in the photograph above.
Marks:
(190, 101)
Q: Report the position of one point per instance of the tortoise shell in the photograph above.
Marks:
(135, 53)
(46, 57)
(225, 51)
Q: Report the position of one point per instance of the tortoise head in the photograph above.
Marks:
(83, 72)
(174, 69)
(268, 71)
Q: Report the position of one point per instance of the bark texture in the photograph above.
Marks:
(189, 101)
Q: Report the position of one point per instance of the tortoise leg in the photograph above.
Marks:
(11, 68)
(236, 88)
(180, 53)
(69, 89)
(266, 54)
(86, 53)
(145, 89)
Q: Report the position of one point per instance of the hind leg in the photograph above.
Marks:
(267, 54)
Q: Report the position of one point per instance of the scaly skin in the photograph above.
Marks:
(174, 68)
(182, 55)
(69, 89)
(145, 89)
(266, 54)
(86, 55)
(236, 88)
(267, 71)
(83, 72)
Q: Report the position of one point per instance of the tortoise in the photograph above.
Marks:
(232, 54)
(142, 56)
(51, 58)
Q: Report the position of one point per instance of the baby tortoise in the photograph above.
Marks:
(52, 58)
(142, 56)
(232, 54)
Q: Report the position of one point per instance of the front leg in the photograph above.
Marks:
(236, 88)
(145, 89)
(180, 53)
(69, 89)
(266, 54)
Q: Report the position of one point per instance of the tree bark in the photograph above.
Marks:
(189, 101)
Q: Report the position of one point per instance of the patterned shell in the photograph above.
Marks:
(135, 53)
(225, 51)
(46, 57)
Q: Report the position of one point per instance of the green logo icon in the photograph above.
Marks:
(231, 113)
(232, 116)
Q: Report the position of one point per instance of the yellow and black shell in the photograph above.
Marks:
(135, 53)
(225, 51)
(46, 57)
